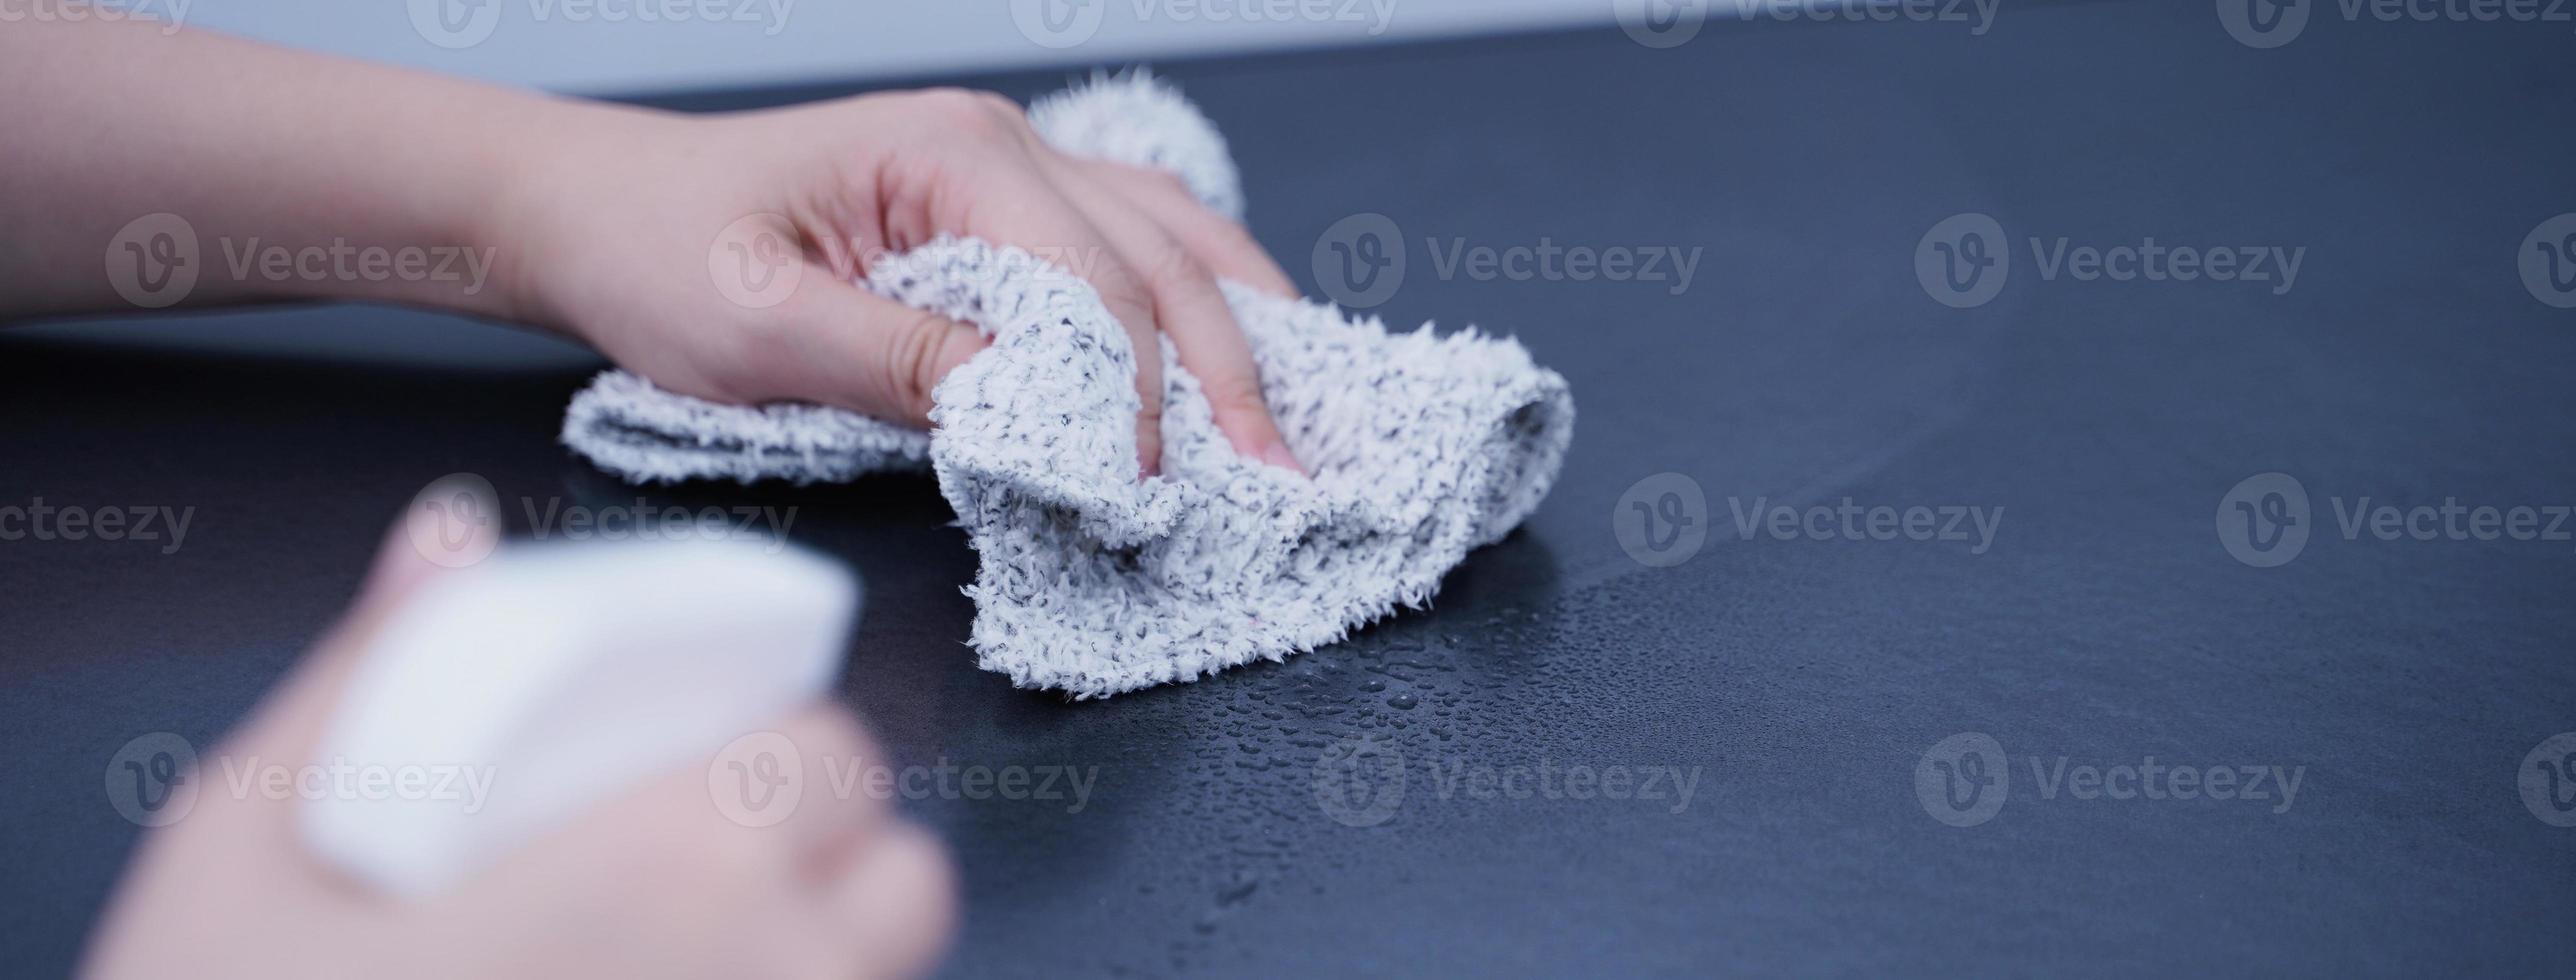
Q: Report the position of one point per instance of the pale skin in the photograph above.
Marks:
(599, 222)
(655, 882)
(598, 219)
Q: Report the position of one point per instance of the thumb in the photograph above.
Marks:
(857, 350)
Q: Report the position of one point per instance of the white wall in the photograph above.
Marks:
(635, 46)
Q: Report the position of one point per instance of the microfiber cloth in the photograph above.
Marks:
(1092, 582)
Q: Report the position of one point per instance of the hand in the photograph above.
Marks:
(593, 219)
(617, 227)
(657, 883)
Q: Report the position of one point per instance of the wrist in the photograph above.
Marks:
(536, 209)
(465, 201)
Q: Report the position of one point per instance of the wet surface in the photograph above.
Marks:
(1406, 802)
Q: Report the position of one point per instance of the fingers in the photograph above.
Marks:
(1025, 208)
(1222, 245)
(1193, 312)
(836, 813)
(837, 344)
(896, 903)
(802, 854)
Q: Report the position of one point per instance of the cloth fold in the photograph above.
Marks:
(1422, 446)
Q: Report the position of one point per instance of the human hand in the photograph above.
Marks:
(656, 883)
(714, 254)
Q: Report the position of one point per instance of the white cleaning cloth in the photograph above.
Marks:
(1422, 447)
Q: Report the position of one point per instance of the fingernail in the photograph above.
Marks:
(1277, 454)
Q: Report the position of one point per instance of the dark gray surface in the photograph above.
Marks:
(1805, 679)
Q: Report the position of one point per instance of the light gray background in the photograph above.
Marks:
(603, 47)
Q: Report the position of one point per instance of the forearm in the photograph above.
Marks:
(297, 176)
